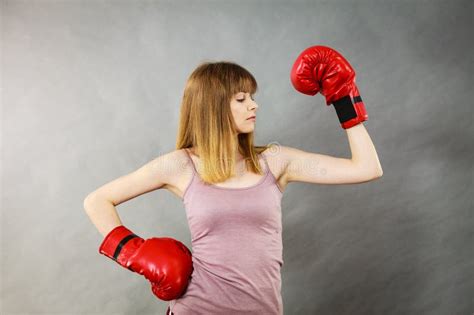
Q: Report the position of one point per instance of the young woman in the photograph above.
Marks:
(231, 189)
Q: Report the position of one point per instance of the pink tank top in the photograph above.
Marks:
(236, 236)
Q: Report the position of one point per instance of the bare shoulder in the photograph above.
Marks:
(179, 172)
(161, 172)
(288, 158)
(278, 157)
(169, 166)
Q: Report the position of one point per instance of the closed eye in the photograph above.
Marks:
(241, 100)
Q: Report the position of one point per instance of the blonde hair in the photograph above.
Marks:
(206, 121)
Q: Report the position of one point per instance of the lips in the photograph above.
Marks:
(250, 117)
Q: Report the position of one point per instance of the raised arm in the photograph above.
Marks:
(314, 168)
(321, 69)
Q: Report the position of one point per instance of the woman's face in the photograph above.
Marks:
(243, 106)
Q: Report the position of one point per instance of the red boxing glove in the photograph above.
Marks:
(165, 262)
(322, 69)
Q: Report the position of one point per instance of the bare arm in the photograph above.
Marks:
(364, 166)
(364, 155)
(100, 204)
(103, 214)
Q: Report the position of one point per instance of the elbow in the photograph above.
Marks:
(378, 174)
(87, 203)
(92, 200)
(374, 175)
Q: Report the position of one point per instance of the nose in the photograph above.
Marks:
(253, 105)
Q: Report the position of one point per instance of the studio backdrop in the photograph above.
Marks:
(91, 90)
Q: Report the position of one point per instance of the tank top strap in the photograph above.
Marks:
(265, 160)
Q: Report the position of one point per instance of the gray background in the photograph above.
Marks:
(91, 91)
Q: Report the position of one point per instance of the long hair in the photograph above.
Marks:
(206, 121)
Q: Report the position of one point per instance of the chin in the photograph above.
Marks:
(246, 130)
